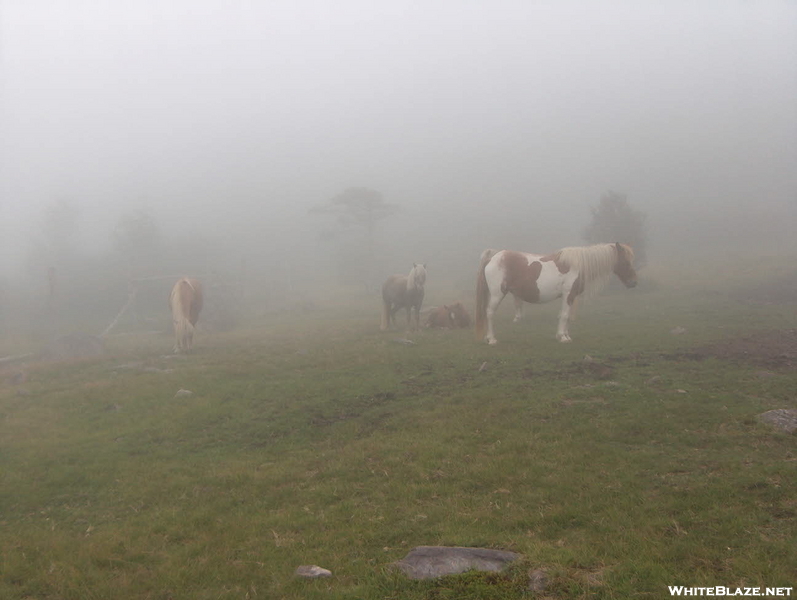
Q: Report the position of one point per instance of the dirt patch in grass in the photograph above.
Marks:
(774, 349)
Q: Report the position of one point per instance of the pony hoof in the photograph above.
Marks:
(492, 342)
(565, 339)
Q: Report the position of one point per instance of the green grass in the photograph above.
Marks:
(318, 439)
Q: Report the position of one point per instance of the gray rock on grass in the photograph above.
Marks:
(538, 580)
(429, 562)
(312, 572)
(784, 419)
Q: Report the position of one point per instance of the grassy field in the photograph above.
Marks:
(318, 439)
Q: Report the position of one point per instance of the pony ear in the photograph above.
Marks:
(618, 247)
(414, 265)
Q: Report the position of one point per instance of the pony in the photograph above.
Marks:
(186, 304)
(403, 291)
(449, 316)
(441, 318)
(461, 316)
(538, 278)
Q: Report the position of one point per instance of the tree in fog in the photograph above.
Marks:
(53, 254)
(362, 208)
(60, 229)
(615, 220)
(137, 238)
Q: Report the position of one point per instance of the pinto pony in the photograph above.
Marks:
(403, 291)
(538, 278)
(186, 304)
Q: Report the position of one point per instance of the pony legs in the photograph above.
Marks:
(492, 306)
(518, 309)
(562, 333)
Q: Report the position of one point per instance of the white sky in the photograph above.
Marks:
(244, 114)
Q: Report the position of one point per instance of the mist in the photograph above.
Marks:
(488, 124)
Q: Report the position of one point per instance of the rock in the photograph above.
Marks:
(653, 380)
(312, 571)
(181, 393)
(784, 419)
(678, 330)
(404, 341)
(429, 562)
(538, 580)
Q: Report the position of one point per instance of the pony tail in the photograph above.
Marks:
(185, 331)
(482, 294)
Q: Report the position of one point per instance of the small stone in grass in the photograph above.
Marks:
(312, 571)
(181, 393)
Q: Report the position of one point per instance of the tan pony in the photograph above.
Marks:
(186, 304)
(448, 316)
(403, 291)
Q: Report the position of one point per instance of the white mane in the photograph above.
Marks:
(593, 263)
(416, 278)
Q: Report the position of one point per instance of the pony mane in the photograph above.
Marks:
(417, 272)
(594, 263)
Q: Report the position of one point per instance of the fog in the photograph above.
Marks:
(487, 123)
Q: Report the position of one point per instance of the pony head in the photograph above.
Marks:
(460, 315)
(417, 277)
(624, 265)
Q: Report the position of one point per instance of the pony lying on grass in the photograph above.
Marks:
(186, 304)
(448, 316)
(539, 278)
(403, 291)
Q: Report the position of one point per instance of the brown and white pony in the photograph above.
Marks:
(403, 291)
(186, 304)
(539, 278)
(448, 316)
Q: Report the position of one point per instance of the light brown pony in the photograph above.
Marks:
(461, 316)
(403, 291)
(186, 304)
(449, 316)
(440, 318)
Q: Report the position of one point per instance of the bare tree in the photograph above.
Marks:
(615, 220)
(360, 207)
(137, 237)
